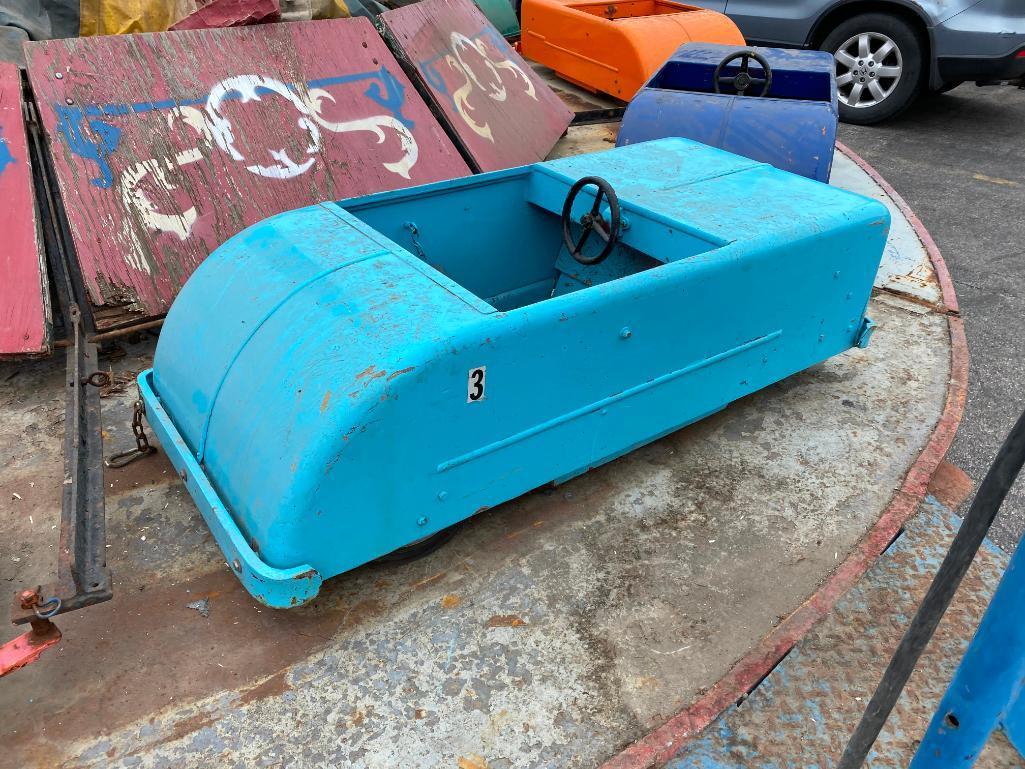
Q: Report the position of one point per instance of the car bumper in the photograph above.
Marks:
(982, 69)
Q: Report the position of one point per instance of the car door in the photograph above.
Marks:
(772, 22)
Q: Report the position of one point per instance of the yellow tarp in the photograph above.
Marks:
(121, 17)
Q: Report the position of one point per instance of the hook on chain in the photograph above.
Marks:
(142, 446)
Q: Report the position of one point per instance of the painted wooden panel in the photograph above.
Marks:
(502, 112)
(24, 294)
(167, 144)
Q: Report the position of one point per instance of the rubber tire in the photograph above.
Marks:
(420, 548)
(910, 47)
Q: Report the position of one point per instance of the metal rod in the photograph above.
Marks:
(969, 538)
(119, 332)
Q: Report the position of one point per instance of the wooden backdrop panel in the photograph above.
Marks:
(167, 144)
(502, 112)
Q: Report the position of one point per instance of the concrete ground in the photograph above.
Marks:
(959, 161)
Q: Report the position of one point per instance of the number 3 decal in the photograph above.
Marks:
(475, 385)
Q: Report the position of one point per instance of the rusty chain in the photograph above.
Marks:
(142, 447)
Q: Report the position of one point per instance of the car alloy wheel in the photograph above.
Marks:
(868, 68)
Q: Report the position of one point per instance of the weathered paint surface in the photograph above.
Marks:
(167, 144)
(803, 713)
(502, 112)
(27, 648)
(24, 300)
(792, 125)
(907, 267)
(230, 13)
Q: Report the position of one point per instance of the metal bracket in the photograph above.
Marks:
(865, 333)
(82, 575)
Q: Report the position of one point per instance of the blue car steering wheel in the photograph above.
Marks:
(743, 79)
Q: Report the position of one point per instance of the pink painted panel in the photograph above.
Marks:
(167, 144)
(502, 112)
(24, 296)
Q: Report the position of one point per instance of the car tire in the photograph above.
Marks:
(866, 95)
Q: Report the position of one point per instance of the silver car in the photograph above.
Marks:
(889, 51)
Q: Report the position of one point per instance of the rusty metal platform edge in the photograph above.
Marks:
(658, 747)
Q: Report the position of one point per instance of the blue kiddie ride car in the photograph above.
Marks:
(767, 104)
(337, 382)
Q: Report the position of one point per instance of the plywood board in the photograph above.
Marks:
(24, 296)
(503, 114)
(167, 144)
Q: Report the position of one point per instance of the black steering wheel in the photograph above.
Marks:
(592, 221)
(743, 79)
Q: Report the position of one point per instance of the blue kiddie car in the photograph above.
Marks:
(769, 104)
(344, 380)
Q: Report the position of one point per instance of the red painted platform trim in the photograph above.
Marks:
(660, 745)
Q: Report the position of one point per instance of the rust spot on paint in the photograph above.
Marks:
(272, 687)
(950, 485)
(506, 620)
(400, 371)
(428, 580)
(181, 729)
(450, 601)
(327, 400)
(371, 372)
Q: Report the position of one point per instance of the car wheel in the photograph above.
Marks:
(878, 66)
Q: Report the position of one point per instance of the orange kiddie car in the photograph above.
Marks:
(614, 47)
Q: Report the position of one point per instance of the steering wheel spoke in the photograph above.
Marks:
(587, 230)
(592, 221)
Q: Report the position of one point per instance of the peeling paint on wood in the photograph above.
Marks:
(24, 299)
(503, 113)
(167, 144)
(230, 13)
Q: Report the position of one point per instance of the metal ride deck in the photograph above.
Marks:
(557, 628)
